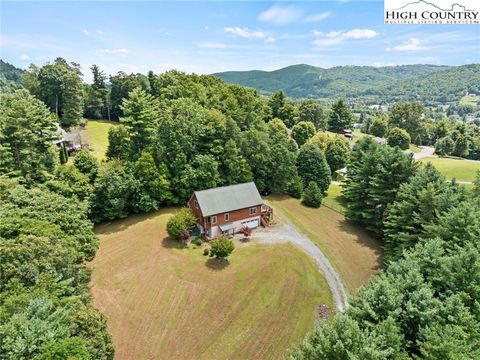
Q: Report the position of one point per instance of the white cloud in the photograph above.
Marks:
(281, 15)
(336, 37)
(412, 44)
(249, 34)
(317, 17)
(24, 57)
(120, 52)
(211, 45)
(85, 32)
(99, 32)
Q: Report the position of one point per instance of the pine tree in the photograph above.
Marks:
(312, 166)
(312, 195)
(340, 116)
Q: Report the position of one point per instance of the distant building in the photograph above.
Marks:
(348, 134)
(228, 209)
(381, 141)
(71, 140)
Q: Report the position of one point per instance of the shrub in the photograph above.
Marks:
(179, 223)
(206, 252)
(312, 196)
(399, 137)
(444, 146)
(221, 247)
(197, 241)
(87, 164)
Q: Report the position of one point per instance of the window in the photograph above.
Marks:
(253, 211)
(226, 216)
(214, 219)
(196, 204)
(208, 219)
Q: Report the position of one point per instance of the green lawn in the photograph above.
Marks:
(334, 198)
(470, 100)
(460, 169)
(96, 132)
(166, 302)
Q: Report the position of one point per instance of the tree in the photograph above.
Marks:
(321, 140)
(63, 155)
(418, 204)
(407, 116)
(312, 111)
(276, 102)
(154, 184)
(96, 103)
(69, 182)
(182, 220)
(444, 146)
(378, 127)
(375, 173)
(221, 247)
(69, 348)
(121, 85)
(337, 153)
(140, 117)
(399, 137)
(87, 164)
(462, 146)
(476, 184)
(118, 143)
(312, 166)
(26, 131)
(113, 191)
(312, 195)
(340, 116)
(288, 113)
(302, 131)
(234, 168)
(59, 86)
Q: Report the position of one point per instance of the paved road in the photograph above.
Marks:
(424, 152)
(288, 233)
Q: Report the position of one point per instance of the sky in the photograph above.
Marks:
(214, 36)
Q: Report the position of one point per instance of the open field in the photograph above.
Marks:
(334, 198)
(460, 169)
(470, 100)
(163, 302)
(355, 254)
(97, 136)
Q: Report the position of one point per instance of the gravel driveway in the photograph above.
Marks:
(288, 233)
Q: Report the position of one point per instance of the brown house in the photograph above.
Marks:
(228, 209)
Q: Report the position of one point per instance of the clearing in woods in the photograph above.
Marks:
(96, 132)
(163, 302)
(355, 253)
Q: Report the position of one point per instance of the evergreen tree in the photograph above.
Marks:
(312, 111)
(118, 143)
(234, 168)
(340, 116)
(375, 173)
(96, 102)
(418, 204)
(312, 166)
(312, 195)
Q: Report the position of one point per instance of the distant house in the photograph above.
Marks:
(228, 209)
(380, 140)
(71, 140)
(348, 134)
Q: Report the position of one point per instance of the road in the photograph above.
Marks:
(425, 151)
(288, 233)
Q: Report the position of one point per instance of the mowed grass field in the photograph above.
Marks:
(354, 252)
(469, 100)
(460, 169)
(163, 302)
(96, 132)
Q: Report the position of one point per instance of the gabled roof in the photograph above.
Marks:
(228, 198)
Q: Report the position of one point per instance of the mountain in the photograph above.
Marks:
(10, 76)
(305, 81)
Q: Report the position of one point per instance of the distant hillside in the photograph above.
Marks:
(406, 82)
(10, 76)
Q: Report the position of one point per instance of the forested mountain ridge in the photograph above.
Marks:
(10, 76)
(405, 82)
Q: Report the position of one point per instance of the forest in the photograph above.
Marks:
(179, 133)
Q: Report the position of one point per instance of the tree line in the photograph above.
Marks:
(424, 304)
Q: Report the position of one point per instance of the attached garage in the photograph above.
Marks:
(252, 224)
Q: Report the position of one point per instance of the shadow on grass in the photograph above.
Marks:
(244, 240)
(217, 264)
(169, 243)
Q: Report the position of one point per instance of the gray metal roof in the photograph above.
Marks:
(228, 198)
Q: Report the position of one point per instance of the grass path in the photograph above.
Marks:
(168, 303)
(354, 253)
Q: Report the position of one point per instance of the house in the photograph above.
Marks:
(228, 209)
(71, 140)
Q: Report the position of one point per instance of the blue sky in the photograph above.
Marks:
(206, 37)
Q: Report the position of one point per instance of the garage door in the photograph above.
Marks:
(251, 223)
